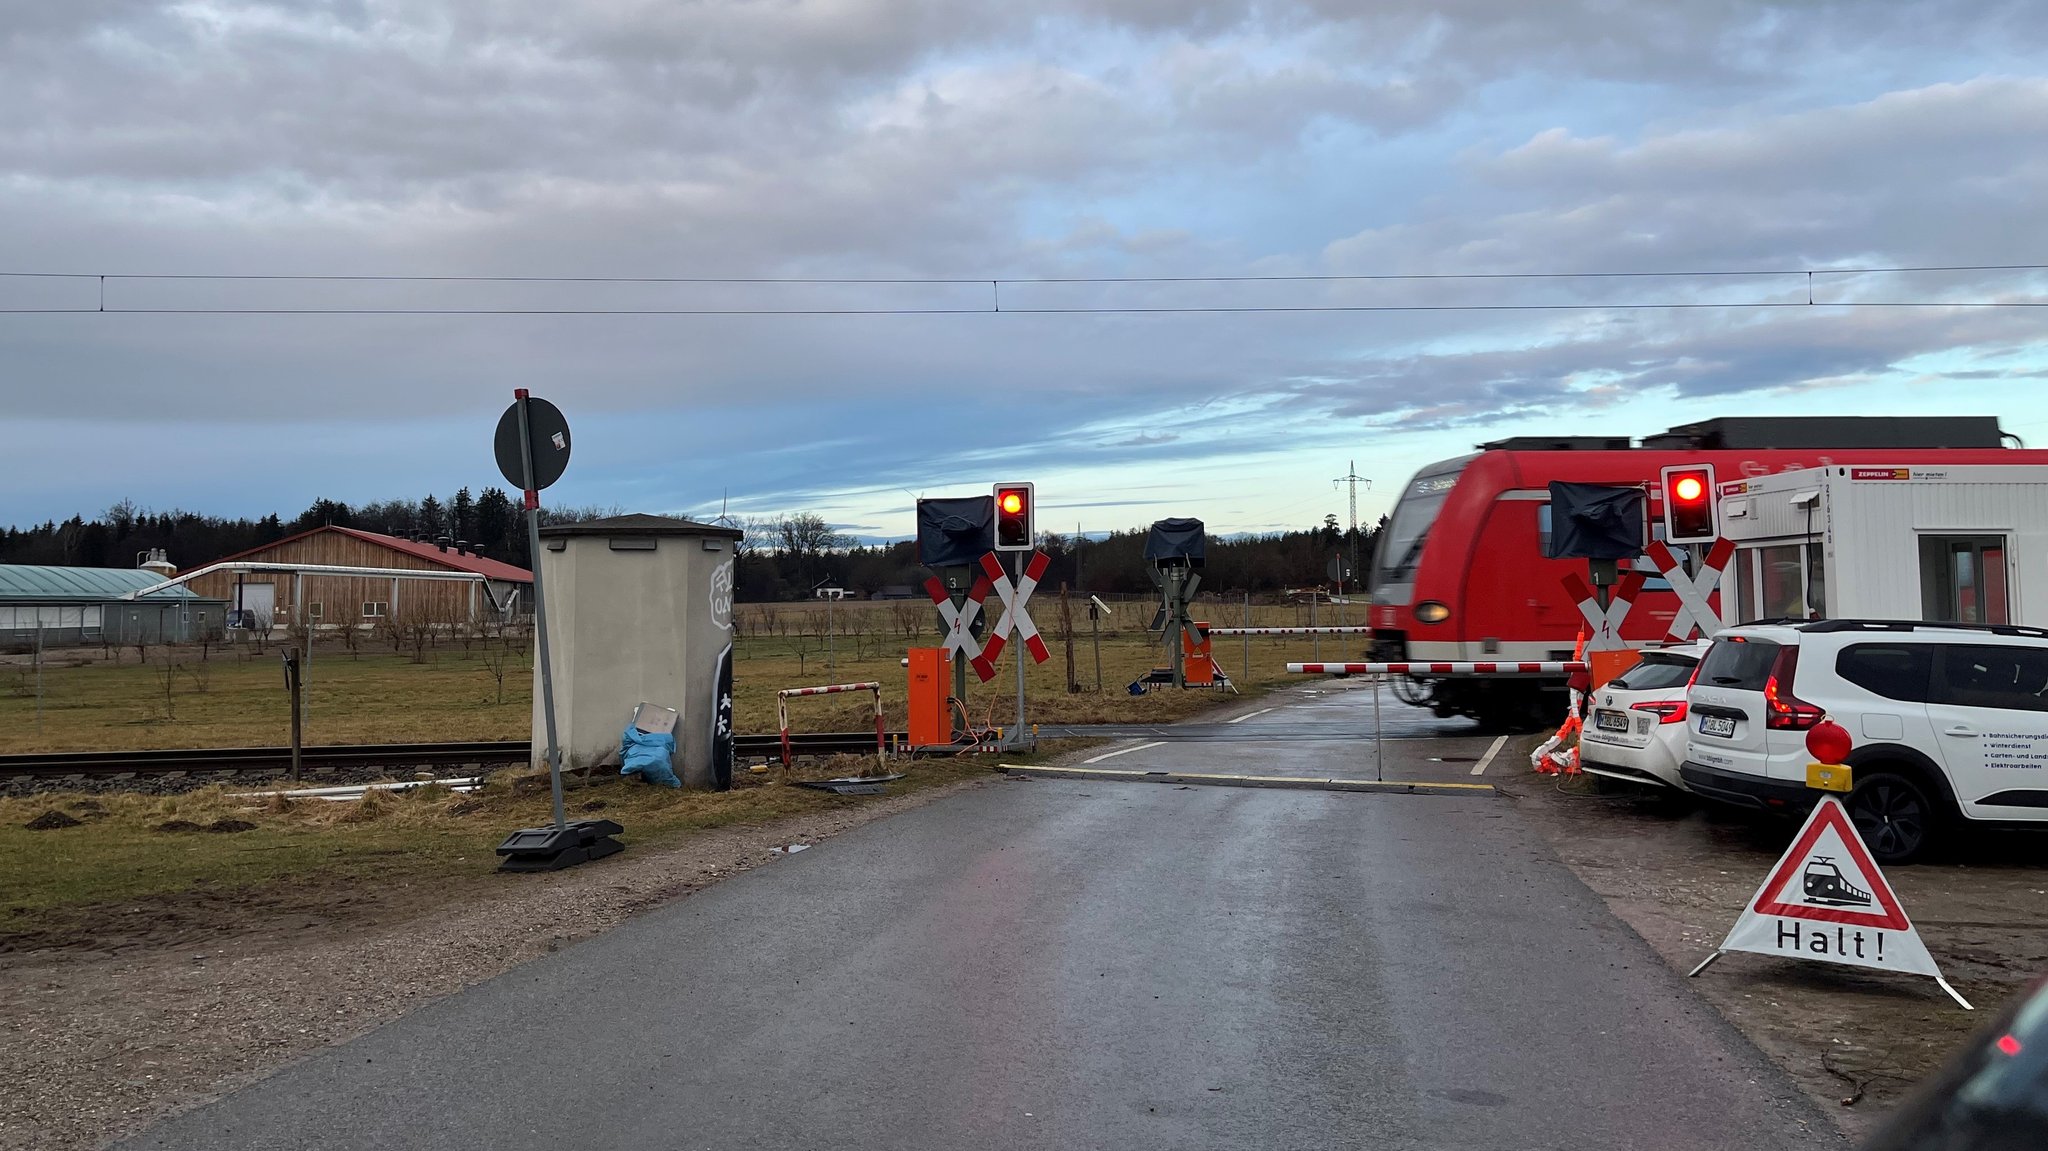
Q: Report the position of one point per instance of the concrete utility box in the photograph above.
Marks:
(639, 610)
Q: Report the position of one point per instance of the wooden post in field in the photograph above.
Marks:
(291, 683)
(1067, 626)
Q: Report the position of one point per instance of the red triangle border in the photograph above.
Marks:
(1828, 813)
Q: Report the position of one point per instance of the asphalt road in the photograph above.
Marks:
(1079, 965)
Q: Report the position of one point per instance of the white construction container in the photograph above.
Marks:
(1964, 544)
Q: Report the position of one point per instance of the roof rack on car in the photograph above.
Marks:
(1835, 625)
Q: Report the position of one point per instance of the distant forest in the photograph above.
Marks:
(783, 557)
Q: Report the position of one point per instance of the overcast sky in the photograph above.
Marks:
(976, 141)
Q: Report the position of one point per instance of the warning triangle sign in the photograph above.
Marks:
(1825, 900)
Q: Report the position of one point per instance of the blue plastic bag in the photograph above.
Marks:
(649, 755)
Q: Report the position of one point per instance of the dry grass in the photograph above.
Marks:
(130, 847)
(237, 699)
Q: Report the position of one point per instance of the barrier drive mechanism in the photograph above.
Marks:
(783, 697)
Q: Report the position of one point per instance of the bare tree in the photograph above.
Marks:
(498, 659)
(348, 616)
(165, 674)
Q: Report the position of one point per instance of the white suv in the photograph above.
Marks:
(1950, 723)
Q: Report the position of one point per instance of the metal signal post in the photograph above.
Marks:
(540, 600)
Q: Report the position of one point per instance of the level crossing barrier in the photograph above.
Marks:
(1539, 667)
(1290, 631)
(783, 697)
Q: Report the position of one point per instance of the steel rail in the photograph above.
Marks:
(105, 764)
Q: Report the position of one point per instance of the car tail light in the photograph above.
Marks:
(1666, 710)
(1783, 710)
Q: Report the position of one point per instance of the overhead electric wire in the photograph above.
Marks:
(961, 280)
(996, 284)
(992, 311)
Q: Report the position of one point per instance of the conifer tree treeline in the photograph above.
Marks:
(782, 558)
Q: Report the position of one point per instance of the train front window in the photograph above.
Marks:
(1409, 529)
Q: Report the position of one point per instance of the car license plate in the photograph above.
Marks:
(1610, 720)
(1717, 725)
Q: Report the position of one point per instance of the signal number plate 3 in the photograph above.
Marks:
(1719, 725)
(1610, 720)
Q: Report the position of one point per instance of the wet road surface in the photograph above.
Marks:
(1089, 964)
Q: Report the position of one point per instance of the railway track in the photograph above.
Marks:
(337, 757)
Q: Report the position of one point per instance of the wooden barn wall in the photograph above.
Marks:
(342, 597)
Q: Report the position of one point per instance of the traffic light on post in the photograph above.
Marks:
(1689, 504)
(1014, 511)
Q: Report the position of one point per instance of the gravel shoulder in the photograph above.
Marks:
(103, 1043)
(1854, 1040)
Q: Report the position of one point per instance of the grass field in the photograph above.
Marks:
(175, 698)
(135, 859)
(135, 856)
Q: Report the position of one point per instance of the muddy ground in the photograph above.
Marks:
(1680, 873)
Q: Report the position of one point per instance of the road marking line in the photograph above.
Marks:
(1488, 757)
(1124, 751)
(1242, 718)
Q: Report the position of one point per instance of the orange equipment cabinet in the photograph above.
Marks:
(1198, 666)
(931, 677)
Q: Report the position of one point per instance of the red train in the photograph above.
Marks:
(1460, 572)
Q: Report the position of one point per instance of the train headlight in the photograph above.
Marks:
(1430, 611)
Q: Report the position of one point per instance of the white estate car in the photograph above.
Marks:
(1635, 727)
(1950, 723)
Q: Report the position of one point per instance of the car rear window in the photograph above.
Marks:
(2011, 678)
(1892, 670)
(1657, 670)
(1739, 663)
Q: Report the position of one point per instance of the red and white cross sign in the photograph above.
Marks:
(1604, 624)
(958, 620)
(1695, 593)
(1015, 617)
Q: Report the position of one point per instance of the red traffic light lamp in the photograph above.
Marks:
(1015, 507)
(1689, 504)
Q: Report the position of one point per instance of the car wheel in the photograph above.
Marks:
(1893, 815)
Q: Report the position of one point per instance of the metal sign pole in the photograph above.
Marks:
(540, 611)
(1017, 738)
(1095, 636)
(1379, 742)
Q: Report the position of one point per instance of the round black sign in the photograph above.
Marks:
(550, 435)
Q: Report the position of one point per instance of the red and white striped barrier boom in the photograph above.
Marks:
(1289, 630)
(782, 699)
(1545, 667)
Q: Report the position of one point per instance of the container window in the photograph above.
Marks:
(1963, 579)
